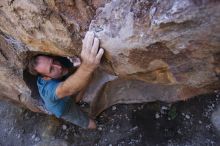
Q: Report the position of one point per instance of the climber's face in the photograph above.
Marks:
(50, 68)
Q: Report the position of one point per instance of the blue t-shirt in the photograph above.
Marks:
(47, 91)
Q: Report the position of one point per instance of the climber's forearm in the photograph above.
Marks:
(91, 56)
(75, 82)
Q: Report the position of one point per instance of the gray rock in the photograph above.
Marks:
(56, 142)
(64, 127)
(157, 115)
(100, 128)
(114, 108)
(187, 116)
(36, 139)
(33, 136)
(216, 119)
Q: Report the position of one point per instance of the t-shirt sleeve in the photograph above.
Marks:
(50, 90)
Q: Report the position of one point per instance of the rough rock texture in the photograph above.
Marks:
(184, 123)
(216, 119)
(161, 50)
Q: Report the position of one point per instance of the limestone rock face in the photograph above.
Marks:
(160, 50)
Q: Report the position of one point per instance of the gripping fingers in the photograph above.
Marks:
(99, 55)
(84, 40)
(95, 46)
(89, 41)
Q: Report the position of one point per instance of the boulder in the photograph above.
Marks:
(154, 50)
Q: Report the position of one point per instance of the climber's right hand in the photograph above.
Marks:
(91, 54)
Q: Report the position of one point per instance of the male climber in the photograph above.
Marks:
(57, 83)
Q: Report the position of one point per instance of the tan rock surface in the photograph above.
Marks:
(160, 50)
